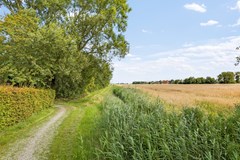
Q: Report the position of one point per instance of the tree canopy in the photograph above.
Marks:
(226, 77)
(66, 45)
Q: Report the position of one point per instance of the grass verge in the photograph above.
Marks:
(77, 135)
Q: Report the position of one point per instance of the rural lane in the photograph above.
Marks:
(36, 146)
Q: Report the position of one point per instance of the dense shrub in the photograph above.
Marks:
(17, 104)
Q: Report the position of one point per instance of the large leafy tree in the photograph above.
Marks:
(97, 25)
(226, 77)
(39, 56)
(16, 32)
(63, 44)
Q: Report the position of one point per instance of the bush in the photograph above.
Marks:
(17, 104)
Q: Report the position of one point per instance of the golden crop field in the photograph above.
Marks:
(226, 95)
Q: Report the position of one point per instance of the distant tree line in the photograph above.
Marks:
(223, 78)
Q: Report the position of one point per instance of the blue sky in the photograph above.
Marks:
(178, 39)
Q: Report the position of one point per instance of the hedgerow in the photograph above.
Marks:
(17, 104)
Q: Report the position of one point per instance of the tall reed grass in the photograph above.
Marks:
(137, 128)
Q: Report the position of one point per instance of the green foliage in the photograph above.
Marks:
(137, 128)
(33, 56)
(199, 80)
(210, 80)
(45, 57)
(61, 44)
(177, 81)
(226, 77)
(97, 26)
(190, 80)
(237, 77)
(18, 104)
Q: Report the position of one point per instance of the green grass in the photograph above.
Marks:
(136, 127)
(77, 136)
(121, 124)
(22, 129)
(214, 109)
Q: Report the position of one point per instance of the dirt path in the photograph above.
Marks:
(35, 147)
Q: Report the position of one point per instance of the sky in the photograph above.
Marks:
(179, 39)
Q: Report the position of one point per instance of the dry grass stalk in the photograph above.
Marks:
(190, 95)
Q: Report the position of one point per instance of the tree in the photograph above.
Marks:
(16, 31)
(190, 80)
(237, 77)
(200, 80)
(210, 80)
(171, 81)
(237, 58)
(62, 44)
(47, 10)
(39, 56)
(97, 26)
(177, 81)
(226, 77)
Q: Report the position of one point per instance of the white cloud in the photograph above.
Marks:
(187, 45)
(146, 31)
(236, 7)
(209, 59)
(209, 23)
(129, 55)
(196, 7)
(133, 57)
(136, 59)
(236, 24)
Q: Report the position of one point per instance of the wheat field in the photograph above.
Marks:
(227, 95)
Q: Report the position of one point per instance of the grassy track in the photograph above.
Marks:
(21, 130)
(76, 138)
(77, 135)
